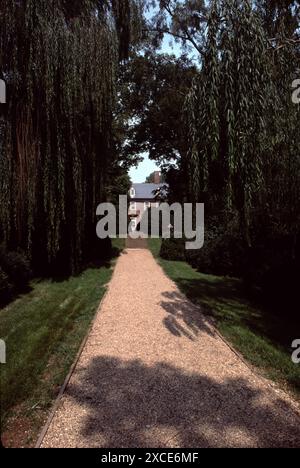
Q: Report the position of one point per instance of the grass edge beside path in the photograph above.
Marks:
(257, 336)
(43, 331)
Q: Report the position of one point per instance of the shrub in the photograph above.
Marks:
(274, 267)
(5, 287)
(222, 254)
(269, 269)
(16, 266)
(280, 285)
(173, 249)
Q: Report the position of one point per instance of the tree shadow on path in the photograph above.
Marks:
(130, 404)
(184, 318)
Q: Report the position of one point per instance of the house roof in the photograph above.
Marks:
(146, 191)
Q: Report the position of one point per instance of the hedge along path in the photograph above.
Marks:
(155, 373)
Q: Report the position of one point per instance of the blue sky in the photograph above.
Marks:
(138, 175)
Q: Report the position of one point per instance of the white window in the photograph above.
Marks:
(147, 205)
(132, 206)
(132, 192)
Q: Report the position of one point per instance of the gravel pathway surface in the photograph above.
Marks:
(154, 373)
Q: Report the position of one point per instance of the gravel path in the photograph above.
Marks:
(154, 373)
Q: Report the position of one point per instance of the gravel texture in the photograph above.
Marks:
(154, 373)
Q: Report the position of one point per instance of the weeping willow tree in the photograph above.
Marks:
(281, 149)
(241, 119)
(59, 60)
(202, 110)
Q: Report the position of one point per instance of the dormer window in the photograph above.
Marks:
(132, 192)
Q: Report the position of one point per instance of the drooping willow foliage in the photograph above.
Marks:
(242, 124)
(59, 60)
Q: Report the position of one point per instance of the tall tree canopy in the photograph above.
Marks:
(242, 133)
(242, 121)
(184, 20)
(59, 60)
(154, 89)
(154, 92)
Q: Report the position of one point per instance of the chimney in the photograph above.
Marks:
(157, 177)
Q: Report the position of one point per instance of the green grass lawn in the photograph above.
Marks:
(264, 339)
(43, 331)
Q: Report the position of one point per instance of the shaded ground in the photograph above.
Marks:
(154, 373)
(260, 335)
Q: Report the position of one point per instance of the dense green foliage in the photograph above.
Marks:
(244, 157)
(182, 20)
(242, 121)
(154, 89)
(15, 274)
(60, 61)
(173, 249)
(5, 287)
(242, 133)
(153, 94)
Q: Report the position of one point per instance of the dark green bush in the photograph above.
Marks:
(270, 268)
(274, 267)
(5, 287)
(16, 266)
(173, 249)
(222, 254)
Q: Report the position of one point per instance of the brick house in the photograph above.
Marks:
(144, 197)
